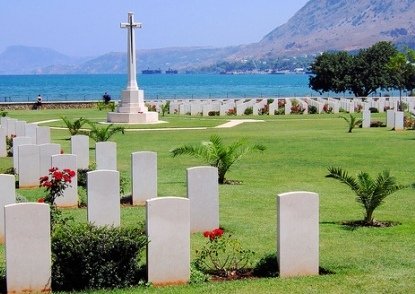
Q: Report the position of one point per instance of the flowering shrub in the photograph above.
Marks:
(55, 183)
(327, 108)
(222, 255)
(9, 145)
(231, 111)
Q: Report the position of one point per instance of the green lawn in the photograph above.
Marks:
(299, 150)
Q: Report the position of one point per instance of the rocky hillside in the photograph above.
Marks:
(338, 24)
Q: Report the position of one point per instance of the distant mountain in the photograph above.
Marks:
(319, 26)
(23, 59)
(338, 24)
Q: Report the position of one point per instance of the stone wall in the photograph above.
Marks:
(48, 105)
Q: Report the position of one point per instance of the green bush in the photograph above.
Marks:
(89, 257)
(312, 109)
(373, 110)
(267, 266)
(249, 111)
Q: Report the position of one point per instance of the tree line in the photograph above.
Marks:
(380, 67)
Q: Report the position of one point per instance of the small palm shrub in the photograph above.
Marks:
(370, 193)
(103, 133)
(249, 111)
(74, 126)
(352, 122)
(217, 154)
(165, 108)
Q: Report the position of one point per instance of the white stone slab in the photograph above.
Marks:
(104, 198)
(30, 131)
(7, 196)
(20, 128)
(80, 147)
(298, 234)
(70, 195)
(11, 126)
(42, 135)
(45, 153)
(28, 166)
(144, 176)
(168, 231)
(3, 122)
(398, 123)
(28, 248)
(106, 155)
(390, 118)
(366, 119)
(17, 141)
(3, 144)
(203, 193)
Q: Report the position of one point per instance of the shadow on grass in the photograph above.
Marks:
(356, 224)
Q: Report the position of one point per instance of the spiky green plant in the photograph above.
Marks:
(74, 126)
(370, 193)
(352, 121)
(165, 108)
(217, 154)
(103, 133)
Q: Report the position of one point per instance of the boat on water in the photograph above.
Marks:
(151, 71)
(171, 71)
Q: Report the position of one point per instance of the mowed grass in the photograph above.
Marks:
(299, 150)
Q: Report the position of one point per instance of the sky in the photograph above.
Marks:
(92, 27)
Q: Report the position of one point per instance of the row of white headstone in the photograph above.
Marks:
(168, 219)
(223, 106)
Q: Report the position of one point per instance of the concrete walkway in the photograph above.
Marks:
(230, 124)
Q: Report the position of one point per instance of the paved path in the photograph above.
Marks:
(230, 124)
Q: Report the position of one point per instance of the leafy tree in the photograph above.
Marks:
(217, 154)
(402, 72)
(360, 74)
(352, 121)
(370, 193)
(331, 72)
(104, 133)
(74, 126)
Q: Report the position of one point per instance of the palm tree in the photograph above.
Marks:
(74, 126)
(352, 121)
(101, 134)
(370, 193)
(216, 154)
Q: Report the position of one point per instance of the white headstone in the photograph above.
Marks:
(3, 122)
(11, 126)
(3, 144)
(28, 248)
(144, 176)
(30, 131)
(390, 119)
(7, 196)
(17, 141)
(398, 123)
(42, 135)
(20, 128)
(28, 166)
(70, 195)
(203, 193)
(104, 198)
(106, 155)
(80, 147)
(366, 119)
(298, 234)
(168, 231)
(45, 153)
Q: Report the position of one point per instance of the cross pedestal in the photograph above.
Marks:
(132, 108)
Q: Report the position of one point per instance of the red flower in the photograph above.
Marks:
(57, 175)
(72, 173)
(52, 169)
(42, 179)
(206, 234)
(41, 200)
(47, 184)
(218, 232)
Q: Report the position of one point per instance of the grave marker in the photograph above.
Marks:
(28, 248)
(144, 176)
(17, 141)
(203, 193)
(298, 234)
(7, 196)
(104, 197)
(168, 232)
(106, 155)
(42, 135)
(80, 148)
(28, 166)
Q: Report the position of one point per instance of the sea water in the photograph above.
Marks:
(14, 88)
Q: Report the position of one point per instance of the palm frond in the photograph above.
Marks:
(339, 174)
